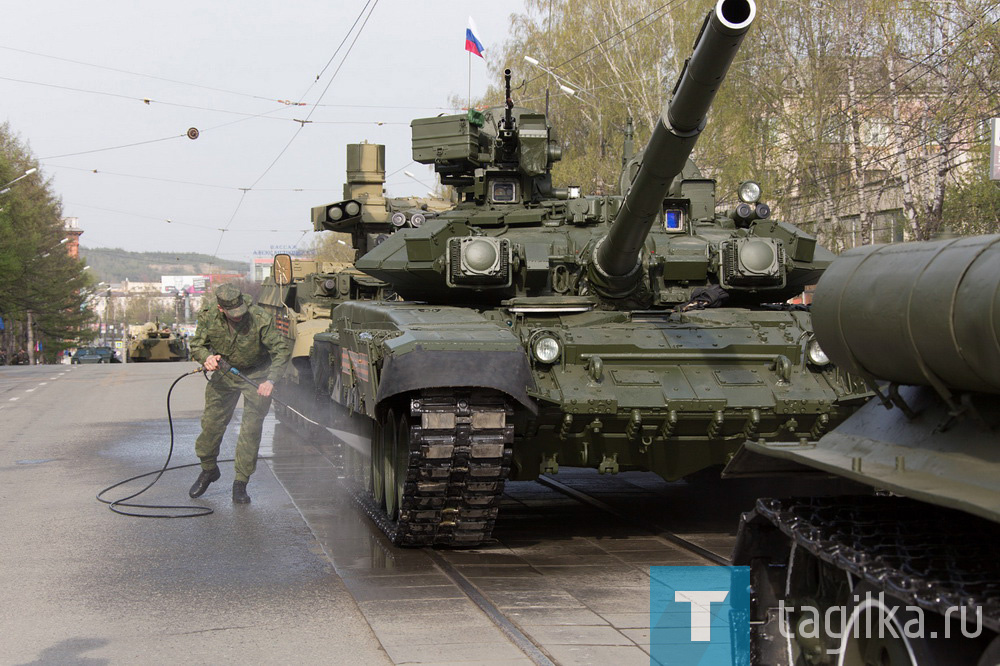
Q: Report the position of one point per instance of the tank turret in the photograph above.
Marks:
(513, 234)
(617, 266)
(536, 326)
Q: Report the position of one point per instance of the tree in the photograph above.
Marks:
(856, 117)
(332, 246)
(43, 291)
(973, 205)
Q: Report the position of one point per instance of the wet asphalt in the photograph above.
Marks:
(301, 575)
(80, 585)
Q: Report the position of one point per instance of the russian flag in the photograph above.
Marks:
(472, 43)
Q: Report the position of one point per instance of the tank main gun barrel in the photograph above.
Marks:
(923, 314)
(617, 268)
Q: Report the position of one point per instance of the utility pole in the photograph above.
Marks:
(31, 340)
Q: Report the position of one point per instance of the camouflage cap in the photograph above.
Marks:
(231, 300)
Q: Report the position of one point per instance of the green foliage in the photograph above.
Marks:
(973, 206)
(115, 265)
(850, 114)
(332, 246)
(36, 273)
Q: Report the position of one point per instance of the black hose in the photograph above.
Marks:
(191, 511)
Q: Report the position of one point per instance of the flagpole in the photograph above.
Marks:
(470, 79)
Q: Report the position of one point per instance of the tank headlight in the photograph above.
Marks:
(749, 191)
(352, 208)
(545, 348)
(417, 220)
(397, 219)
(815, 353)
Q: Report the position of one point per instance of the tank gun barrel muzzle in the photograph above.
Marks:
(616, 269)
(714, 52)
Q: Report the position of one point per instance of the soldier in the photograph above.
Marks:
(246, 338)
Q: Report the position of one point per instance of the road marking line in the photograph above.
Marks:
(42, 383)
(13, 399)
(30, 390)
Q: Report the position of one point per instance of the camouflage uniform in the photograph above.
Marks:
(255, 348)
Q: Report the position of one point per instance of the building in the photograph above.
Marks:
(262, 260)
(71, 226)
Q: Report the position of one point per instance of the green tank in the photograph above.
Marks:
(151, 342)
(538, 328)
(301, 293)
(920, 322)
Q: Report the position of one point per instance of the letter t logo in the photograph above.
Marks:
(701, 613)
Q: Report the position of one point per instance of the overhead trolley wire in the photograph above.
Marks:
(102, 172)
(178, 222)
(369, 3)
(607, 39)
(265, 98)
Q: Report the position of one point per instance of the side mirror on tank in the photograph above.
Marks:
(281, 269)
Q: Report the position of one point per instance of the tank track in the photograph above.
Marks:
(460, 454)
(924, 555)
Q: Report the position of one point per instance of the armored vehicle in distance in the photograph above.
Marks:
(539, 328)
(151, 342)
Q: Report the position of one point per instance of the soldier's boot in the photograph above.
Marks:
(204, 480)
(240, 493)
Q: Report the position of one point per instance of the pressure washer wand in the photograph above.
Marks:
(225, 366)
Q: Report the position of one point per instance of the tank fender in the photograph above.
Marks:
(505, 371)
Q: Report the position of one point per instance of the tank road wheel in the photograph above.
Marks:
(397, 460)
(793, 594)
(881, 648)
(814, 587)
(383, 429)
(902, 635)
(832, 619)
(439, 461)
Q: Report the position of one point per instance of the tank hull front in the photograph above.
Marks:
(669, 393)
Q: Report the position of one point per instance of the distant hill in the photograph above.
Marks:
(114, 264)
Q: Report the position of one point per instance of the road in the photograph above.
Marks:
(84, 586)
(301, 575)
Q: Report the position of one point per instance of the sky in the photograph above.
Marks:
(104, 93)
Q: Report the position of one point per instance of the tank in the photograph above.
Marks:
(301, 293)
(919, 322)
(152, 342)
(536, 327)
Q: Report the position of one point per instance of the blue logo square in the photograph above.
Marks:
(699, 616)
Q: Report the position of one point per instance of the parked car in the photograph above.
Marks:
(94, 355)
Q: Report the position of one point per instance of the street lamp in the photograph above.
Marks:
(562, 86)
(6, 188)
(410, 175)
(47, 253)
